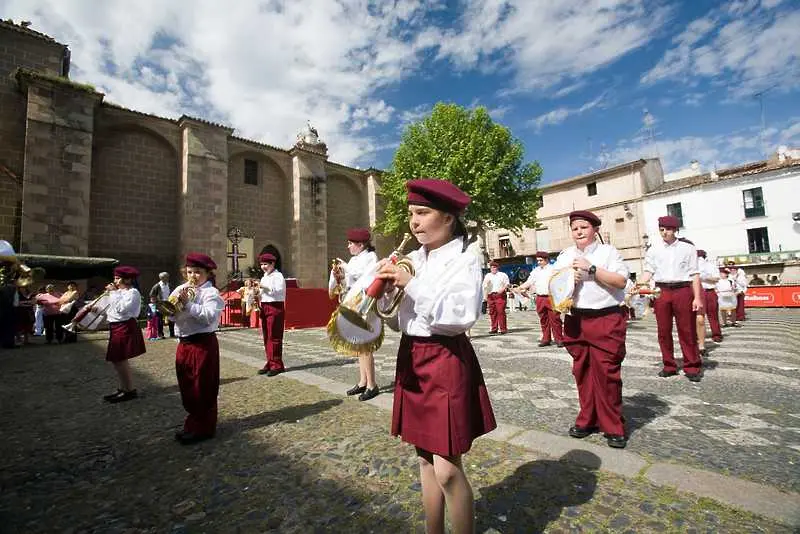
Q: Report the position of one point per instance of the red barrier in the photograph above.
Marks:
(305, 308)
(772, 297)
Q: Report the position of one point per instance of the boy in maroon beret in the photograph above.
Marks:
(549, 319)
(197, 355)
(495, 285)
(125, 337)
(273, 297)
(672, 263)
(709, 276)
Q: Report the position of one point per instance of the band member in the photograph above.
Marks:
(343, 276)
(709, 275)
(495, 284)
(726, 295)
(672, 263)
(125, 337)
(162, 291)
(273, 296)
(440, 400)
(197, 356)
(595, 329)
(549, 319)
(739, 278)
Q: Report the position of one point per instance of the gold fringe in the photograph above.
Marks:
(564, 307)
(348, 348)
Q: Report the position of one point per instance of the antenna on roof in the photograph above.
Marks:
(763, 133)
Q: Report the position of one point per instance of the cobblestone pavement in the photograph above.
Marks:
(288, 457)
(743, 419)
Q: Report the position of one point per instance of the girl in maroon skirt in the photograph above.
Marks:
(125, 339)
(197, 356)
(440, 400)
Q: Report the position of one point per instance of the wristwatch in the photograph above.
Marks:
(592, 270)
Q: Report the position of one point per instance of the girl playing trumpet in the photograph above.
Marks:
(342, 277)
(440, 400)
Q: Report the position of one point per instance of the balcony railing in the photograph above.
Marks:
(761, 257)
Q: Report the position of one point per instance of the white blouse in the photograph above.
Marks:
(588, 292)
(539, 279)
(709, 273)
(444, 297)
(355, 269)
(675, 262)
(123, 304)
(202, 313)
(273, 287)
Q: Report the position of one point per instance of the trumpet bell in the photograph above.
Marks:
(72, 328)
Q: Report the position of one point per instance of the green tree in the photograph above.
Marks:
(478, 155)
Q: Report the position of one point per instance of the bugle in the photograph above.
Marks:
(647, 292)
(356, 326)
(174, 304)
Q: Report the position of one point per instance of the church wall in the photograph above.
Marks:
(17, 50)
(134, 202)
(348, 207)
(261, 211)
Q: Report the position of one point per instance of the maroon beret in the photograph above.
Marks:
(585, 215)
(266, 258)
(668, 221)
(701, 253)
(126, 271)
(358, 235)
(494, 264)
(437, 194)
(195, 259)
(542, 254)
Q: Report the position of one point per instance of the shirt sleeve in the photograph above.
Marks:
(693, 269)
(125, 302)
(453, 305)
(650, 261)
(615, 263)
(209, 308)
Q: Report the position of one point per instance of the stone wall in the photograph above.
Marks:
(134, 201)
(18, 50)
(347, 207)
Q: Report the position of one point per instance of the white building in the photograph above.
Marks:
(749, 213)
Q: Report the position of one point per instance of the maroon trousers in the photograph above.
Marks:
(496, 302)
(596, 341)
(272, 320)
(711, 303)
(740, 307)
(197, 367)
(549, 319)
(677, 303)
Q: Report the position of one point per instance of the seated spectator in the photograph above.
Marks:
(773, 280)
(756, 281)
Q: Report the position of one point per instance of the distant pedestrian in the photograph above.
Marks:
(125, 337)
(153, 319)
(197, 355)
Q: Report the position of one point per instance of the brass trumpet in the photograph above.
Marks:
(174, 305)
(21, 274)
(357, 311)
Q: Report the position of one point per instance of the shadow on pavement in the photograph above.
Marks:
(641, 409)
(336, 362)
(289, 414)
(537, 492)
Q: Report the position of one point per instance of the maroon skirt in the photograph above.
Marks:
(125, 342)
(440, 400)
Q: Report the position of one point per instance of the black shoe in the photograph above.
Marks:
(273, 372)
(725, 326)
(492, 332)
(617, 442)
(580, 432)
(356, 390)
(543, 344)
(736, 325)
(559, 344)
(187, 438)
(369, 394)
(108, 398)
(263, 371)
(693, 377)
(123, 396)
(503, 332)
(703, 352)
(664, 374)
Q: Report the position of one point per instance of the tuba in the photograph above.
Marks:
(21, 275)
(173, 305)
(356, 326)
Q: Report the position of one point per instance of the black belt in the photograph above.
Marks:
(673, 285)
(194, 338)
(591, 312)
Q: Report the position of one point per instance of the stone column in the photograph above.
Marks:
(384, 245)
(309, 233)
(58, 162)
(203, 205)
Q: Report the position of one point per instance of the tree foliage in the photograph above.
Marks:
(481, 157)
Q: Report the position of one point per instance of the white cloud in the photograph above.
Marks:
(751, 45)
(559, 115)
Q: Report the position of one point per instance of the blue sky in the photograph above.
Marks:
(584, 84)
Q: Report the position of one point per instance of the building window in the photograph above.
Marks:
(757, 240)
(675, 211)
(540, 202)
(250, 172)
(753, 202)
(506, 250)
(591, 189)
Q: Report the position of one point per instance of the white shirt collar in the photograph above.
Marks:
(444, 253)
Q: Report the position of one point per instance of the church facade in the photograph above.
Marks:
(83, 177)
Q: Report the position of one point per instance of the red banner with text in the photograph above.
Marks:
(772, 297)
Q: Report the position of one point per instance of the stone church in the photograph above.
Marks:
(80, 176)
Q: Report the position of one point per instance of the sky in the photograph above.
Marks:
(583, 84)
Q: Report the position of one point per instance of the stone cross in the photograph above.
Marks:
(235, 236)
